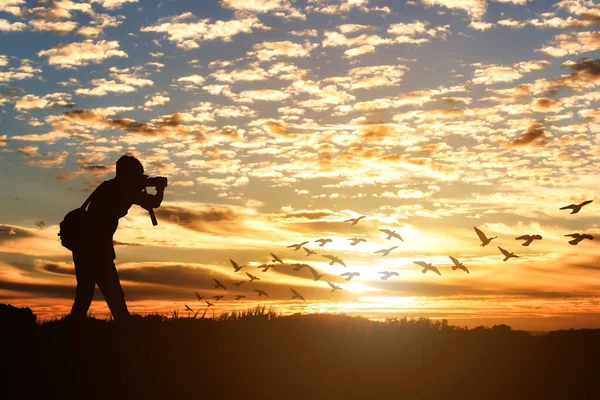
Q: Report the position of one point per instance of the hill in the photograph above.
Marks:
(258, 354)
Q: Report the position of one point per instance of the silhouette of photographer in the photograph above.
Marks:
(94, 255)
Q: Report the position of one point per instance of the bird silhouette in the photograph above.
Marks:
(507, 254)
(323, 241)
(356, 241)
(355, 220)
(528, 239)
(579, 237)
(298, 267)
(239, 296)
(252, 277)
(334, 287)
(219, 284)
(385, 252)
(238, 284)
(309, 252)
(235, 265)
(276, 259)
(217, 298)
(334, 259)
(387, 274)
(297, 246)
(265, 267)
(261, 292)
(208, 303)
(576, 207)
(296, 295)
(427, 267)
(350, 275)
(188, 308)
(198, 296)
(315, 274)
(458, 265)
(484, 240)
(391, 234)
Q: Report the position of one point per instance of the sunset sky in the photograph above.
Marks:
(276, 121)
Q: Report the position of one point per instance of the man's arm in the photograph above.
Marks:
(149, 201)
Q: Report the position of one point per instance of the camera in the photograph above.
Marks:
(156, 181)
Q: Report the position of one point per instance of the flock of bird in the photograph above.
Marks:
(528, 239)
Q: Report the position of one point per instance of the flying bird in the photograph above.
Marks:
(217, 298)
(315, 274)
(334, 259)
(239, 296)
(484, 240)
(297, 246)
(236, 266)
(356, 241)
(576, 207)
(265, 267)
(350, 275)
(296, 295)
(579, 237)
(391, 234)
(528, 239)
(298, 267)
(252, 277)
(323, 241)
(507, 254)
(387, 274)
(309, 252)
(427, 267)
(219, 284)
(188, 308)
(208, 303)
(261, 292)
(198, 296)
(276, 259)
(334, 287)
(355, 220)
(385, 252)
(238, 284)
(458, 265)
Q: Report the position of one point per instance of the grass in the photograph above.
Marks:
(258, 353)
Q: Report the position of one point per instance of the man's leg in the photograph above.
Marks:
(86, 284)
(109, 284)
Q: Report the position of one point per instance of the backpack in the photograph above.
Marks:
(74, 225)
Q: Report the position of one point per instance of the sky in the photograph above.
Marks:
(277, 121)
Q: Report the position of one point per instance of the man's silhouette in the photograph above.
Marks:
(94, 261)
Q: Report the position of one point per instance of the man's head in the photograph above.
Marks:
(130, 169)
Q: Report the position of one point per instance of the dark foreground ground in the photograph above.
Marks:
(310, 357)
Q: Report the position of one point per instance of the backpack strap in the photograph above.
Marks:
(89, 199)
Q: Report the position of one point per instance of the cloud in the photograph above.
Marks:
(250, 96)
(83, 53)
(474, 8)
(533, 136)
(24, 71)
(545, 104)
(157, 100)
(59, 27)
(188, 35)
(370, 77)
(490, 74)
(7, 26)
(280, 8)
(11, 6)
(53, 100)
(267, 51)
(572, 43)
(213, 219)
(113, 4)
